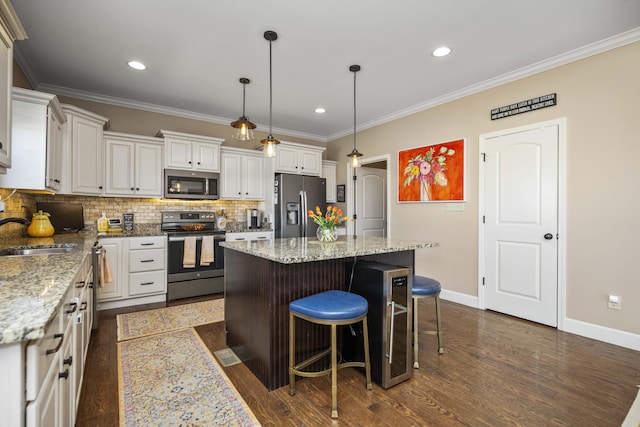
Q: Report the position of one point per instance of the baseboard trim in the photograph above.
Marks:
(602, 333)
(459, 298)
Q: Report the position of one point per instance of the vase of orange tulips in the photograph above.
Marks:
(327, 222)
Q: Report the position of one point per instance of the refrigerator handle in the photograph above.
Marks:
(393, 309)
(303, 211)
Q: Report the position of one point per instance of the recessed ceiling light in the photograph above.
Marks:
(441, 51)
(137, 65)
(320, 110)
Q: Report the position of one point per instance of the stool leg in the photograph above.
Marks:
(367, 363)
(439, 331)
(292, 354)
(415, 334)
(334, 373)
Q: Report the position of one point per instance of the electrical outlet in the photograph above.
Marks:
(1, 206)
(615, 302)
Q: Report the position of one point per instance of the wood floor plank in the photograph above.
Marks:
(496, 371)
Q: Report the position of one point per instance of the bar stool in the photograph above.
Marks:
(425, 287)
(331, 308)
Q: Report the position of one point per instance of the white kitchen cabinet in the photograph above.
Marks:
(84, 143)
(298, 159)
(242, 174)
(329, 173)
(248, 235)
(191, 152)
(115, 289)
(134, 165)
(141, 271)
(37, 140)
(10, 30)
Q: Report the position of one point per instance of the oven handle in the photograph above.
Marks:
(181, 238)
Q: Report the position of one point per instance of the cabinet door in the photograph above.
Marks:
(286, 159)
(44, 411)
(253, 177)
(231, 176)
(206, 157)
(66, 398)
(6, 82)
(120, 168)
(178, 153)
(53, 174)
(310, 162)
(87, 157)
(148, 170)
(115, 289)
(329, 173)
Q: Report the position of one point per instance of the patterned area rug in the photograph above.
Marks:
(149, 322)
(171, 379)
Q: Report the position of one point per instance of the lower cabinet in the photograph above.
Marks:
(138, 271)
(55, 363)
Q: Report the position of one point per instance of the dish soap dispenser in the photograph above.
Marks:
(103, 223)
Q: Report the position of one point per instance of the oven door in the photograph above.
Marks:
(177, 272)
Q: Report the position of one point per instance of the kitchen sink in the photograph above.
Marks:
(37, 250)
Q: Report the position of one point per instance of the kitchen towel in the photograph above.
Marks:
(105, 271)
(206, 253)
(189, 256)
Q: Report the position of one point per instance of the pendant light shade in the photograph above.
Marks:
(354, 153)
(244, 127)
(270, 142)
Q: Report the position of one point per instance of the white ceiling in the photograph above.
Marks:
(196, 51)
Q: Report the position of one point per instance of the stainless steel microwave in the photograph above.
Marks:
(183, 184)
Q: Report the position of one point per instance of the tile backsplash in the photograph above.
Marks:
(146, 211)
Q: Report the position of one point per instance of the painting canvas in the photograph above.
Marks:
(433, 173)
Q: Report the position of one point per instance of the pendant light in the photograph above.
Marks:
(244, 127)
(354, 153)
(270, 142)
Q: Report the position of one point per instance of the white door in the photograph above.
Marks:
(371, 202)
(521, 223)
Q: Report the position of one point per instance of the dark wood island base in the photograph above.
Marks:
(257, 295)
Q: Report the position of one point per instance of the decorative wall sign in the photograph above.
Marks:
(524, 106)
(341, 193)
(128, 221)
(433, 173)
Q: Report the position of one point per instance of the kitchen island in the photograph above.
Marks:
(262, 277)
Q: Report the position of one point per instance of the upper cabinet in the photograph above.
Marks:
(37, 120)
(83, 136)
(298, 159)
(242, 176)
(134, 165)
(329, 173)
(10, 30)
(191, 152)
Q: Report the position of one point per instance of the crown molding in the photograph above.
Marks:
(538, 67)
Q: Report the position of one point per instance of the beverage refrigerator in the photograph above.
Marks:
(294, 196)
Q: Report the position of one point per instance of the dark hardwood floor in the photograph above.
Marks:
(496, 371)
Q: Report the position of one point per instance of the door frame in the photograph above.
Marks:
(562, 209)
(350, 187)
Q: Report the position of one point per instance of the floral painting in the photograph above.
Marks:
(432, 173)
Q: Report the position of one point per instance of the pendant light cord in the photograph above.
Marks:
(354, 110)
(270, 92)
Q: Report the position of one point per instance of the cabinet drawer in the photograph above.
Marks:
(153, 242)
(41, 354)
(148, 282)
(146, 260)
(249, 235)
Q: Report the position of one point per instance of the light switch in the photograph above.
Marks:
(454, 207)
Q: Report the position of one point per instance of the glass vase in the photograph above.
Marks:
(327, 234)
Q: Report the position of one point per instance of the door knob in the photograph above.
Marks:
(548, 236)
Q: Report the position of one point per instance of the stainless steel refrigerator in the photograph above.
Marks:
(294, 196)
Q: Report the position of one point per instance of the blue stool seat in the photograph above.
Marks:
(330, 305)
(425, 286)
(331, 308)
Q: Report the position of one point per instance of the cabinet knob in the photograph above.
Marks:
(100, 187)
(189, 161)
(198, 162)
(131, 188)
(137, 189)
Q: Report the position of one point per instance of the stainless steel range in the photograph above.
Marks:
(189, 273)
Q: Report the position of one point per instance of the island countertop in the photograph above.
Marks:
(302, 249)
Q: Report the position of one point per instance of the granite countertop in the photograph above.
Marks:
(302, 249)
(32, 287)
